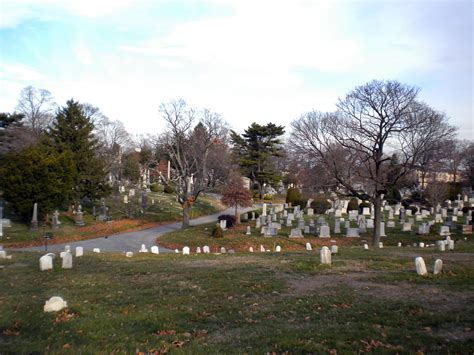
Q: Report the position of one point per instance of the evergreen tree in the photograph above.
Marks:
(256, 150)
(72, 131)
(36, 174)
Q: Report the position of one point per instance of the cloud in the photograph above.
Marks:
(14, 12)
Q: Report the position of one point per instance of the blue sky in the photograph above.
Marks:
(250, 61)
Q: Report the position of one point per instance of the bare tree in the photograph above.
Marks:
(453, 156)
(189, 149)
(436, 192)
(38, 106)
(373, 122)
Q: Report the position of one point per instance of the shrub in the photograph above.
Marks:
(362, 205)
(268, 197)
(393, 195)
(300, 202)
(353, 205)
(249, 214)
(228, 218)
(293, 195)
(217, 232)
(155, 187)
(320, 204)
(407, 202)
(168, 189)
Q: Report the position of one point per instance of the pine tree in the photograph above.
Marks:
(255, 151)
(72, 131)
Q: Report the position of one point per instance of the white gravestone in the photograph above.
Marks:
(79, 251)
(251, 249)
(278, 249)
(406, 227)
(334, 249)
(67, 260)
(262, 249)
(186, 251)
(380, 245)
(370, 223)
(143, 249)
(366, 246)
(155, 249)
(310, 212)
(441, 245)
(451, 245)
(223, 250)
(223, 224)
(96, 250)
(249, 231)
(206, 249)
(420, 266)
(325, 255)
(337, 226)
(438, 266)
(324, 232)
(382, 229)
(54, 304)
(308, 247)
(198, 250)
(129, 254)
(46, 262)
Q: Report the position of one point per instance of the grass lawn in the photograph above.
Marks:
(241, 303)
(163, 210)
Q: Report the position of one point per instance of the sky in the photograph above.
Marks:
(248, 60)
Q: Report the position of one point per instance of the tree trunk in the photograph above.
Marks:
(377, 220)
(186, 214)
(237, 215)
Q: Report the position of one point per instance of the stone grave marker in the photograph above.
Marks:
(420, 266)
(325, 256)
(438, 266)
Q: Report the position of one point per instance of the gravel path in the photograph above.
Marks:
(132, 241)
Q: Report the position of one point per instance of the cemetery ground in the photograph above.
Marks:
(161, 209)
(366, 301)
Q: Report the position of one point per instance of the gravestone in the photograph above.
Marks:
(366, 246)
(46, 262)
(55, 220)
(370, 223)
(308, 247)
(143, 249)
(249, 231)
(129, 254)
(382, 229)
(306, 230)
(337, 226)
(406, 227)
(334, 249)
(444, 231)
(390, 224)
(310, 212)
(366, 211)
(34, 219)
(79, 218)
(186, 251)
(198, 250)
(422, 245)
(296, 233)
(441, 245)
(223, 224)
(3, 254)
(223, 250)
(438, 266)
(79, 252)
(420, 266)
(324, 232)
(206, 249)
(451, 245)
(380, 245)
(251, 249)
(262, 249)
(352, 233)
(96, 250)
(257, 223)
(278, 249)
(54, 304)
(325, 256)
(155, 249)
(301, 224)
(399, 244)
